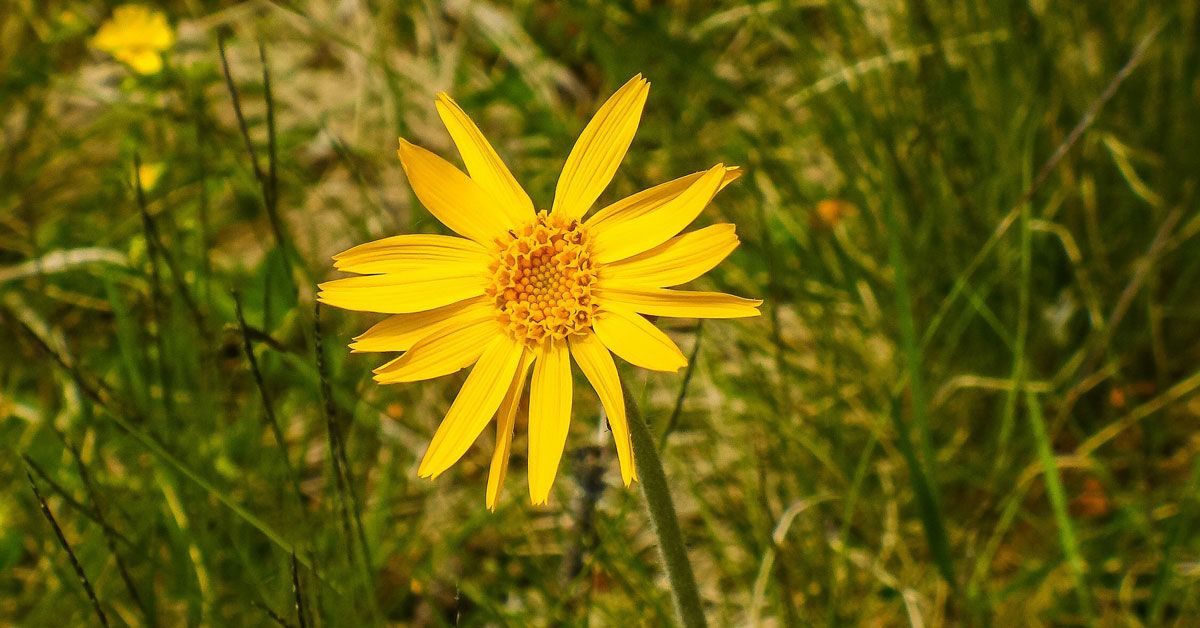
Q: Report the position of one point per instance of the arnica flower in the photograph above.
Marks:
(136, 36)
(535, 289)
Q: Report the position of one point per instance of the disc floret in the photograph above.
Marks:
(542, 279)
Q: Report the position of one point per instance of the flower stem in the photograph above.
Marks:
(684, 591)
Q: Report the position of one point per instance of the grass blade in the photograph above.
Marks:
(109, 538)
(1058, 502)
(926, 493)
(268, 408)
(267, 181)
(347, 496)
(157, 299)
(62, 541)
(298, 593)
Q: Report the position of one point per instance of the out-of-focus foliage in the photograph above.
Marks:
(960, 293)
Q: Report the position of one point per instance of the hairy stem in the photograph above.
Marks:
(653, 480)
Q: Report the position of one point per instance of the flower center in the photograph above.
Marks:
(542, 279)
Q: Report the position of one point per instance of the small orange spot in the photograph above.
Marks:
(1116, 397)
(1092, 500)
(830, 212)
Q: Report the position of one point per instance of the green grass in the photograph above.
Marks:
(971, 398)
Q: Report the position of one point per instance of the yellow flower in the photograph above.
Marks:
(136, 36)
(526, 288)
(147, 175)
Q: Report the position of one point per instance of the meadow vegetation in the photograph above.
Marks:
(971, 398)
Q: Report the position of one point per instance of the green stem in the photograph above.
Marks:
(1058, 504)
(653, 480)
(923, 472)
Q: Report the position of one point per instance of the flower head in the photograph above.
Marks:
(534, 289)
(136, 36)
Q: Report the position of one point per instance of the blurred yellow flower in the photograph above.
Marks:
(148, 174)
(136, 36)
(528, 288)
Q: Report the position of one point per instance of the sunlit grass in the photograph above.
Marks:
(970, 399)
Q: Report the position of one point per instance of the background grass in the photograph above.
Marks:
(971, 398)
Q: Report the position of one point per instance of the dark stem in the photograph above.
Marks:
(62, 540)
(298, 594)
(683, 387)
(268, 408)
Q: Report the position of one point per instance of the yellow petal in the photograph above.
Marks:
(474, 406)
(142, 60)
(413, 251)
(453, 346)
(108, 38)
(147, 175)
(615, 240)
(158, 33)
(506, 419)
(483, 164)
(678, 260)
(599, 150)
(650, 199)
(451, 196)
(629, 335)
(399, 332)
(400, 293)
(680, 303)
(549, 417)
(134, 27)
(597, 365)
